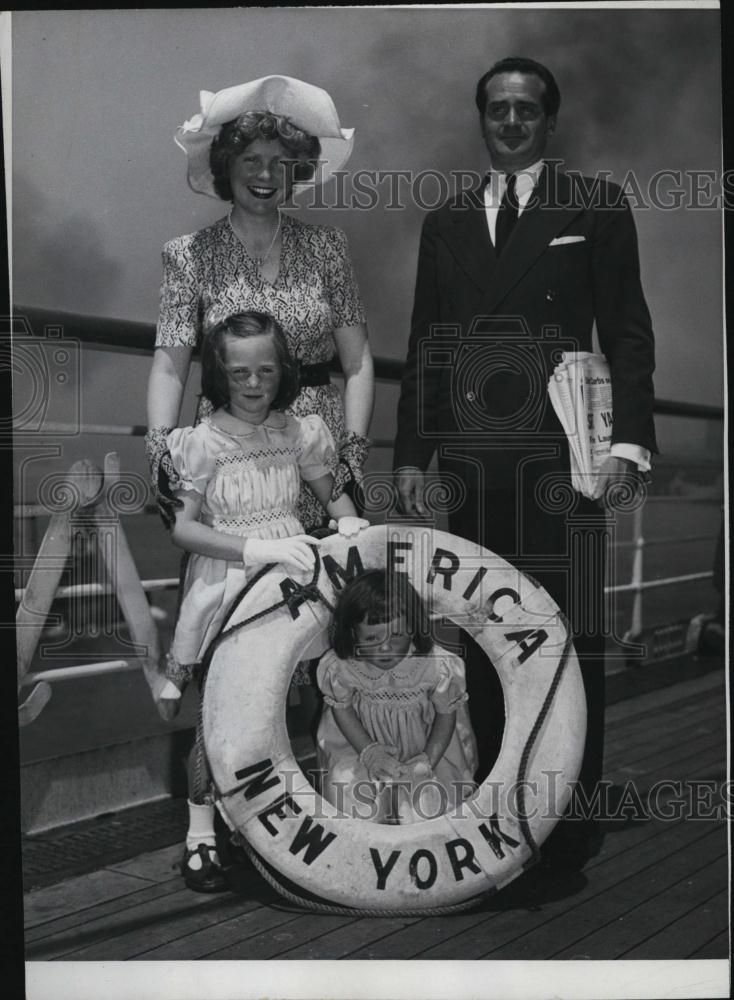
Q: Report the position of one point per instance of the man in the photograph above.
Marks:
(509, 277)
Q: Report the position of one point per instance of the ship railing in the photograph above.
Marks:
(135, 337)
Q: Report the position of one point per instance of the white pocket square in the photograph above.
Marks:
(560, 240)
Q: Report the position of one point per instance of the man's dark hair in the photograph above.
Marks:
(518, 64)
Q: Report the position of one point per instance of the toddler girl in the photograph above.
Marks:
(394, 732)
(241, 469)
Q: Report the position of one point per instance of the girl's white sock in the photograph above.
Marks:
(201, 826)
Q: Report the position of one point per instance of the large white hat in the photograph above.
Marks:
(309, 108)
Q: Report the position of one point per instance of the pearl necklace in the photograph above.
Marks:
(258, 261)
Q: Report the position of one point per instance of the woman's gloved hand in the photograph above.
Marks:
(353, 452)
(294, 553)
(163, 474)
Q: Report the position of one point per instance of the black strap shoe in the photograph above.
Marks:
(207, 878)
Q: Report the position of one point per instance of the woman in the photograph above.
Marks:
(252, 145)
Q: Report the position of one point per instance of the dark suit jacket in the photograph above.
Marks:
(486, 332)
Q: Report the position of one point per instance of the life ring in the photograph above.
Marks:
(263, 794)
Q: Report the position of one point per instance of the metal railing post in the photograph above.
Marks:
(635, 630)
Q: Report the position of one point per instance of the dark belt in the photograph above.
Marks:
(314, 374)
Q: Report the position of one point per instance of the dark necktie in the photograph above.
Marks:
(506, 216)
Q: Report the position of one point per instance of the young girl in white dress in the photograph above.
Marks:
(394, 742)
(241, 470)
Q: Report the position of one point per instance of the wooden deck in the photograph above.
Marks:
(657, 890)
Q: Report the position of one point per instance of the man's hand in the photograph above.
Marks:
(409, 481)
(619, 481)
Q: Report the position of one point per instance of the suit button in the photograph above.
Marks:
(471, 396)
(550, 295)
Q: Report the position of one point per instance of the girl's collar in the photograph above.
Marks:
(404, 668)
(238, 428)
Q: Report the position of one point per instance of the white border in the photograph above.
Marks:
(377, 980)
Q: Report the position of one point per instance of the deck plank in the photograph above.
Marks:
(156, 918)
(715, 947)
(665, 699)
(708, 709)
(55, 906)
(298, 930)
(342, 943)
(157, 866)
(564, 894)
(653, 737)
(654, 908)
(588, 929)
(658, 699)
(210, 939)
(709, 763)
(665, 721)
(690, 931)
(114, 904)
(670, 757)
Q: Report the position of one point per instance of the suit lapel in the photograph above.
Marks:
(537, 226)
(467, 236)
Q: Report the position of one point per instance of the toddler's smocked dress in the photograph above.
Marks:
(396, 707)
(250, 484)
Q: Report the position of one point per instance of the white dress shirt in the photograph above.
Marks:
(524, 185)
(494, 192)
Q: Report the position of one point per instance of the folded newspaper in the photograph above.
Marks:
(580, 390)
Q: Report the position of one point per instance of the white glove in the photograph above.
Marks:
(381, 762)
(418, 768)
(292, 553)
(349, 526)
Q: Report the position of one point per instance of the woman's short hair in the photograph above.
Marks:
(519, 64)
(235, 136)
(375, 597)
(214, 378)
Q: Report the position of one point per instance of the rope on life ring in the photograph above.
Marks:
(318, 906)
(286, 827)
